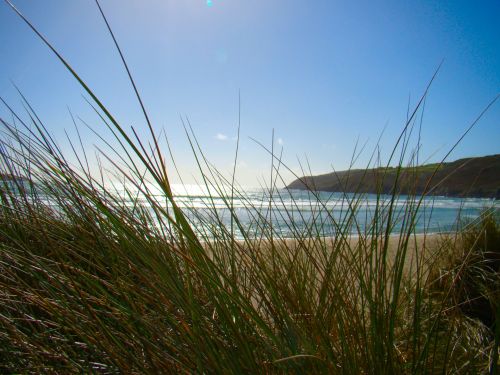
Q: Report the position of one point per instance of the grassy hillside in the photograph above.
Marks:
(471, 177)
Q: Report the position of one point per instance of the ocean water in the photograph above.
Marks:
(288, 213)
(258, 212)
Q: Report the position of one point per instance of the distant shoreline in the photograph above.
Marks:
(477, 177)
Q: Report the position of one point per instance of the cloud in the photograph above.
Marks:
(330, 146)
(240, 164)
(221, 137)
(280, 141)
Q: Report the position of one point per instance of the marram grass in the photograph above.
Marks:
(92, 281)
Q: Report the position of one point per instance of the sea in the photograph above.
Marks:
(246, 212)
(257, 212)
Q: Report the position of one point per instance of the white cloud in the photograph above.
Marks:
(240, 164)
(330, 147)
(280, 141)
(221, 137)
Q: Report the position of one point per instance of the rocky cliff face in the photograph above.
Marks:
(471, 177)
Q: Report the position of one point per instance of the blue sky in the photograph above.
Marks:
(321, 73)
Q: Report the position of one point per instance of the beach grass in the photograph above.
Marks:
(94, 281)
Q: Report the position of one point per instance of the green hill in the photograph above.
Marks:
(470, 177)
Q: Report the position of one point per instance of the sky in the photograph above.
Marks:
(317, 77)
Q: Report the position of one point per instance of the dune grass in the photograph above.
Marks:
(94, 281)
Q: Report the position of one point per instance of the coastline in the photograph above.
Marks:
(422, 247)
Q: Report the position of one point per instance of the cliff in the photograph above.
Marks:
(470, 177)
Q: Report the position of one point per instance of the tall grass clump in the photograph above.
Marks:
(92, 280)
(469, 277)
